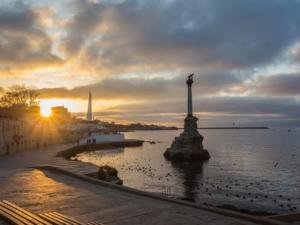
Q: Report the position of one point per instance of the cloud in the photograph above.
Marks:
(279, 85)
(230, 105)
(138, 35)
(235, 108)
(81, 26)
(148, 89)
(211, 111)
(294, 53)
(2, 91)
(227, 43)
(23, 42)
(164, 100)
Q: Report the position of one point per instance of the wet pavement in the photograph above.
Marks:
(39, 191)
(47, 156)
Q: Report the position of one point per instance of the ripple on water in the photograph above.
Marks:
(250, 169)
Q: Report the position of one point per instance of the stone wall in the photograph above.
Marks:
(22, 135)
(12, 136)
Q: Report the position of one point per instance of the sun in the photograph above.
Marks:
(45, 111)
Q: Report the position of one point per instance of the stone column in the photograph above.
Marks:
(188, 145)
(189, 83)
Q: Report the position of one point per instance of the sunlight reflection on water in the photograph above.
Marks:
(251, 169)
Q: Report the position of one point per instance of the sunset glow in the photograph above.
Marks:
(45, 111)
(133, 75)
(72, 105)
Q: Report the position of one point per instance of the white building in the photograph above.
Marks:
(97, 138)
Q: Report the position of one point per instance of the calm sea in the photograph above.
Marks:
(258, 170)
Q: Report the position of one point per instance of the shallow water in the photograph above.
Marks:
(256, 170)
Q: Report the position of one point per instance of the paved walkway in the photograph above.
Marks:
(42, 191)
(47, 156)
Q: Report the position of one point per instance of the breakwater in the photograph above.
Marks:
(231, 128)
(73, 151)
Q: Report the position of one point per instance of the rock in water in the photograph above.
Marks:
(188, 146)
(109, 174)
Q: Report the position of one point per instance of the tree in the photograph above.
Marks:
(19, 95)
(17, 102)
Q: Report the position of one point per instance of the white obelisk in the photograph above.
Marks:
(89, 115)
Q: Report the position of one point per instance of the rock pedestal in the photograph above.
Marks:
(188, 146)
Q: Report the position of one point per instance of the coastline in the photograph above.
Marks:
(77, 198)
(75, 150)
(231, 128)
(227, 184)
(49, 155)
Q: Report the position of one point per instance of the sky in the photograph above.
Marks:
(134, 56)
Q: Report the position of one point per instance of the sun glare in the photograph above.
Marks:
(45, 111)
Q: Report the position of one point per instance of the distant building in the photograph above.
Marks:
(34, 112)
(60, 112)
(84, 126)
(89, 115)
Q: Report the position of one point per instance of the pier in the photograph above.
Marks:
(73, 151)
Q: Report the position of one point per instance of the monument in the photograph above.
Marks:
(188, 146)
(89, 115)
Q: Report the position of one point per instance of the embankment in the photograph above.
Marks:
(71, 152)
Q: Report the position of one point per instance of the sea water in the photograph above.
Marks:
(257, 170)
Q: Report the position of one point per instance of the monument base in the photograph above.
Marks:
(188, 146)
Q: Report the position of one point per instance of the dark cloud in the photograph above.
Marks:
(156, 88)
(279, 85)
(141, 34)
(82, 25)
(23, 42)
(213, 108)
(212, 111)
(18, 19)
(162, 100)
(221, 41)
(231, 105)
